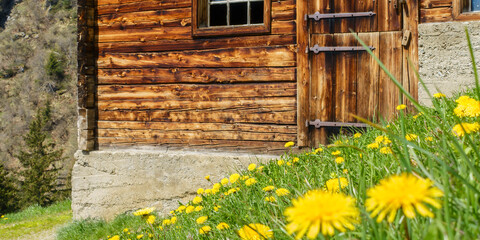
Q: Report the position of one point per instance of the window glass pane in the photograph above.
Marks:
(238, 13)
(256, 12)
(475, 5)
(218, 14)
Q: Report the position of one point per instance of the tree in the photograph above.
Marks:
(8, 192)
(39, 173)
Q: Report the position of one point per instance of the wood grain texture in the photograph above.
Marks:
(177, 17)
(139, 6)
(366, 24)
(195, 75)
(283, 27)
(345, 89)
(303, 74)
(144, 34)
(344, 24)
(230, 57)
(389, 17)
(440, 14)
(434, 3)
(322, 6)
(410, 52)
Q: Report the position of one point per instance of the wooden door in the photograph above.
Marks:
(343, 82)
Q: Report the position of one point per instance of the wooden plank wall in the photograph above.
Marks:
(159, 86)
(436, 10)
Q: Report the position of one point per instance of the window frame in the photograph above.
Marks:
(459, 15)
(234, 29)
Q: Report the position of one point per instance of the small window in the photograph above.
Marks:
(228, 17)
(470, 5)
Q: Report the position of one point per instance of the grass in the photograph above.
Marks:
(35, 219)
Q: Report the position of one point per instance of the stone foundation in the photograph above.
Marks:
(444, 59)
(108, 183)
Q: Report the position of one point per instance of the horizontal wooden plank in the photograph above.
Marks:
(168, 126)
(145, 5)
(197, 44)
(436, 14)
(280, 115)
(223, 145)
(146, 19)
(283, 10)
(189, 75)
(231, 57)
(435, 3)
(144, 34)
(197, 134)
(283, 27)
(204, 92)
(271, 102)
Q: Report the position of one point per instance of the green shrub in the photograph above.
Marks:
(54, 66)
(8, 191)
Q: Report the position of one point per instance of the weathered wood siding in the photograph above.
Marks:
(436, 10)
(157, 85)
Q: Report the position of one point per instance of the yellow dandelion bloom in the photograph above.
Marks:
(357, 135)
(198, 208)
(467, 107)
(116, 237)
(250, 181)
(338, 142)
(336, 153)
(190, 209)
(318, 150)
(430, 139)
(217, 185)
(216, 208)
(200, 191)
(295, 159)
(439, 95)
(166, 222)
(224, 181)
(333, 184)
(418, 115)
(268, 188)
(289, 144)
(411, 137)
(382, 140)
(270, 199)
(208, 191)
(201, 219)
(339, 160)
(234, 177)
(2, 216)
(143, 211)
(231, 190)
(150, 219)
(207, 177)
(289, 163)
(260, 168)
(280, 162)
(205, 229)
(245, 177)
(125, 230)
(321, 212)
(181, 208)
(255, 231)
(282, 192)
(345, 171)
(469, 128)
(252, 167)
(197, 200)
(401, 107)
(139, 236)
(386, 150)
(372, 145)
(406, 192)
(223, 226)
(173, 220)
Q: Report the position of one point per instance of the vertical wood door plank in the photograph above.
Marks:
(321, 90)
(368, 72)
(411, 18)
(389, 17)
(303, 74)
(343, 25)
(366, 24)
(322, 6)
(391, 56)
(345, 92)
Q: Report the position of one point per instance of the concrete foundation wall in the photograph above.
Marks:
(445, 64)
(107, 183)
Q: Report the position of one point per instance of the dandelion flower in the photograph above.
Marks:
(255, 231)
(289, 144)
(295, 159)
(116, 237)
(223, 226)
(372, 145)
(268, 188)
(200, 191)
(357, 135)
(386, 150)
(345, 171)
(197, 200)
(139, 236)
(457, 130)
(280, 162)
(173, 220)
(467, 107)
(166, 222)
(208, 191)
(150, 219)
(189, 209)
(418, 115)
(336, 153)
(201, 219)
(224, 181)
(181, 208)
(260, 168)
(125, 230)
(143, 211)
(438, 95)
(234, 177)
(339, 160)
(333, 184)
(318, 150)
(216, 208)
(252, 167)
(198, 208)
(406, 192)
(411, 137)
(401, 107)
(319, 211)
(383, 140)
(250, 181)
(430, 139)
(270, 199)
(205, 229)
(207, 177)
(282, 192)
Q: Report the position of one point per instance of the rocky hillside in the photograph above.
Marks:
(37, 64)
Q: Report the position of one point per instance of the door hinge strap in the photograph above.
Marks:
(318, 16)
(317, 49)
(318, 124)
